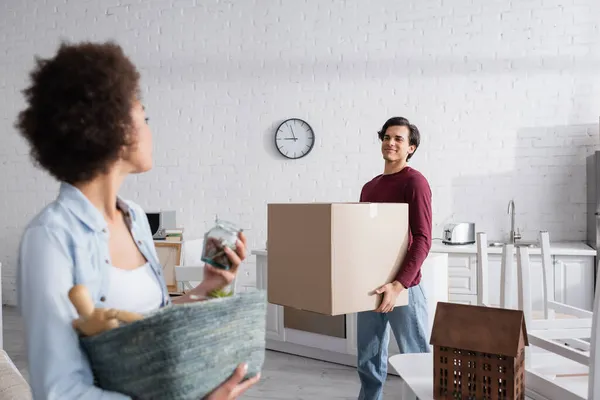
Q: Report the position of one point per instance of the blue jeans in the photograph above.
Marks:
(410, 326)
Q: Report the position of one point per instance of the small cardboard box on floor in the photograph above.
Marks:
(328, 258)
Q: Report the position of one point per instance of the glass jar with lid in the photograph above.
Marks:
(223, 234)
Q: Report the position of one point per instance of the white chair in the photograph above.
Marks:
(560, 328)
(558, 370)
(506, 273)
(482, 269)
(542, 363)
(554, 367)
(554, 310)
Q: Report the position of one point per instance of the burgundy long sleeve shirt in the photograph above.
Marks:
(407, 186)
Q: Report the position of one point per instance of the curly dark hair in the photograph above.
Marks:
(78, 117)
(414, 136)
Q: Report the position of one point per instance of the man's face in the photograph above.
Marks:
(395, 144)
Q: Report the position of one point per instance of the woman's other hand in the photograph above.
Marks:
(233, 387)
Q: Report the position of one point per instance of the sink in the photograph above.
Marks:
(517, 244)
(527, 244)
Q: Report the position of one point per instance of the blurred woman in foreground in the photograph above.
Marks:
(86, 126)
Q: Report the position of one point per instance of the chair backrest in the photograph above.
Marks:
(547, 292)
(506, 276)
(482, 270)
(524, 284)
(524, 293)
(525, 304)
(524, 297)
(506, 282)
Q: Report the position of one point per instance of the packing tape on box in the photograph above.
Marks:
(372, 210)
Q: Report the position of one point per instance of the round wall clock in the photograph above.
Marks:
(294, 138)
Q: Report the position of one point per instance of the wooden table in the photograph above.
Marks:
(169, 255)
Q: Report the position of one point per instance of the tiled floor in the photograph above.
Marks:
(284, 376)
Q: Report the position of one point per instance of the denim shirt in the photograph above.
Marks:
(64, 245)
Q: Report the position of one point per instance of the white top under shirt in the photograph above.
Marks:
(135, 290)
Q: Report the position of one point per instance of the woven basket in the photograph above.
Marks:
(182, 351)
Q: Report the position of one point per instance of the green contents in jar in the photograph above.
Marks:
(220, 293)
(222, 234)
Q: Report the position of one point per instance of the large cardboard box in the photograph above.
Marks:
(328, 258)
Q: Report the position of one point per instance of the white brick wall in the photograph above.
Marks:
(507, 96)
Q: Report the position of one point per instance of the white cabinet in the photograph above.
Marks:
(462, 278)
(572, 277)
(468, 299)
(494, 275)
(274, 327)
(574, 281)
(462, 274)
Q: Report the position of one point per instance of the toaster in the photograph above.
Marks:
(459, 233)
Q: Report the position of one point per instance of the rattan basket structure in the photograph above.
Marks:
(181, 352)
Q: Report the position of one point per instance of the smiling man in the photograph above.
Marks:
(399, 183)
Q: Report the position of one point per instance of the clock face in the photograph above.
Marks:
(294, 138)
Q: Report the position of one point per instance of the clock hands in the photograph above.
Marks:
(293, 136)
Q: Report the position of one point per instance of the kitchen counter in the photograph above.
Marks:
(572, 271)
(556, 248)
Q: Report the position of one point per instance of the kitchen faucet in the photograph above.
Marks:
(513, 235)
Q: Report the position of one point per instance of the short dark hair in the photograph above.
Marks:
(414, 137)
(78, 115)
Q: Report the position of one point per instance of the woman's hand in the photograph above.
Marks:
(217, 278)
(233, 387)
